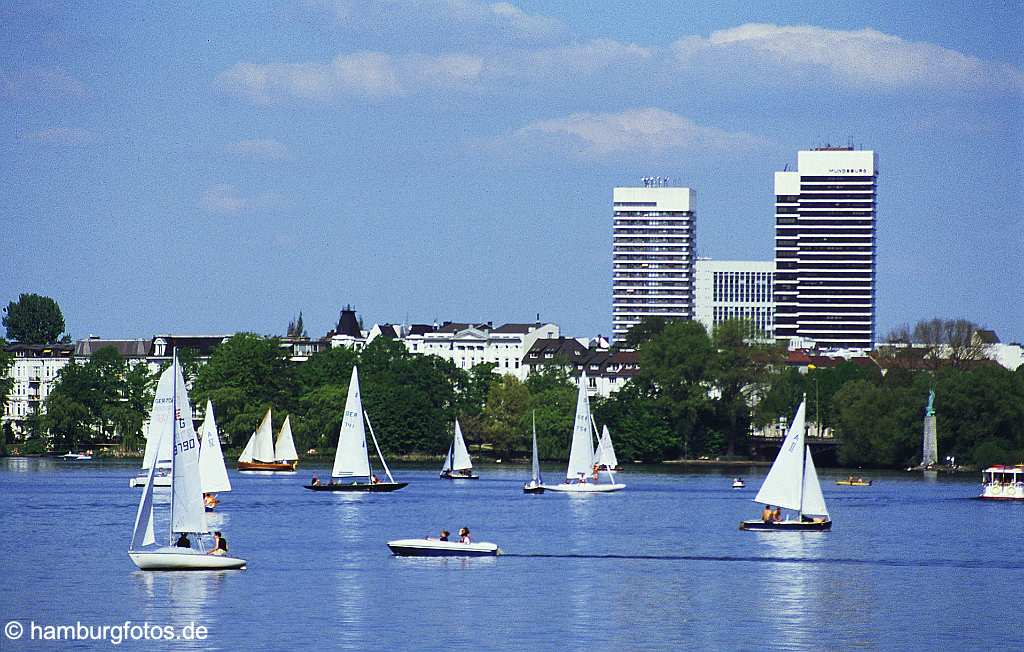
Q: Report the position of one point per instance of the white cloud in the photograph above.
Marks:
(225, 199)
(635, 131)
(532, 25)
(370, 75)
(569, 60)
(50, 83)
(67, 136)
(260, 148)
(864, 57)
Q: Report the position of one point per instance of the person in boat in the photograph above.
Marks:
(315, 482)
(374, 479)
(464, 535)
(183, 541)
(220, 545)
(777, 515)
(210, 501)
(444, 535)
(767, 515)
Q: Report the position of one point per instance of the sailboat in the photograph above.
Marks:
(351, 460)
(173, 422)
(582, 476)
(606, 460)
(212, 472)
(792, 484)
(262, 453)
(536, 484)
(457, 465)
(158, 452)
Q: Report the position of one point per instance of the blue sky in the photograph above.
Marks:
(216, 167)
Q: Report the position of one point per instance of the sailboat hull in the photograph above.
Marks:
(584, 488)
(268, 466)
(787, 526)
(364, 487)
(158, 481)
(533, 488)
(458, 476)
(172, 559)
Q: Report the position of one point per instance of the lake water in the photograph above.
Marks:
(910, 563)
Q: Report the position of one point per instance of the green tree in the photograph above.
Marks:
(553, 400)
(244, 376)
(639, 425)
(739, 370)
(877, 426)
(505, 415)
(675, 369)
(34, 319)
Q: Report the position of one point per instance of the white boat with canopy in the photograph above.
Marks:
(457, 465)
(262, 453)
(212, 471)
(581, 476)
(792, 484)
(187, 517)
(536, 483)
(352, 460)
(157, 452)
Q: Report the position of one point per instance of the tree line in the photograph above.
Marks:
(695, 394)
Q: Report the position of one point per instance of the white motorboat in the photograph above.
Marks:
(438, 548)
(737, 483)
(792, 483)
(162, 478)
(581, 477)
(75, 457)
(1003, 483)
(171, 419)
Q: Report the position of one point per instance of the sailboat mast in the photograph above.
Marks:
(174, 438)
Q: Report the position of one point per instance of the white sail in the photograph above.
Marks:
(814, 501)
(211, 459)
(606, 452)
(246, 455)
(187, 511)
(448, 459)
(581, 453)
(284, 447)
(535, 470)
(782, 487)
(351, 458)
(160, 427)
(263, 447)
(159, 423)
(460, 455)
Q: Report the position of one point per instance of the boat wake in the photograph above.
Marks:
(925, 563)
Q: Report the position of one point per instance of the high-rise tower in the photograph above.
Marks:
(653, 254)
(825, 248)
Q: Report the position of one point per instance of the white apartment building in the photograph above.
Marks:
(825, 248)
(468, 344)
(653, 254)
(34, 371)
(735, 289)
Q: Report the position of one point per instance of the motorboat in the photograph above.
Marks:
(1001, 482)
(438, 548)
(853, 481)
(737, 483)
